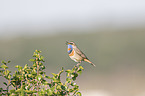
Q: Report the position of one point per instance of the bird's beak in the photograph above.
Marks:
(67, 43)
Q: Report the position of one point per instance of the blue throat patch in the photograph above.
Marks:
(69, 47)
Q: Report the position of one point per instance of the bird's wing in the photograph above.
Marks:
(79, 52)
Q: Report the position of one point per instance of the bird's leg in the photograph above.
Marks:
(77, 66)
(78, 63)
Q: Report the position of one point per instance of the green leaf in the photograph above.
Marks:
(63, 87)
(41, 57)
(34, 72)
(40, 64)
(45, 83)
(30, 91)
(78, 94)
(9, 61)
(43, 67)
(32, 60)
(61, 72)
(52, 88)
(71, 90)
(9, 76)
(34, 65)
(79, 71)
(3, 62)
(55, 75)
(1, 89)
(48, 77)
(37, 51)
(29, 75)
(20, 77)
(4, 66)
(8, 72)
(19, 67)
(26, 66)
(39, 77)
(37, 55)
(81, 67)
(29, 70)
(73, 84)
(2, 71)
(50, 92)
(28, 87)
(55, 79)
(5, 83)
(68, 71)
(18, 90)
(68, 79)
(12, 91)
(22, 92)
(58, 87)
(68, 74)
(74, 75)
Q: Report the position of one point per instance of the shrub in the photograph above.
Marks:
(33, 81)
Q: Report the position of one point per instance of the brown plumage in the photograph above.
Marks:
(78, 55)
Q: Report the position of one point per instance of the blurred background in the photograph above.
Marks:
(110, 32)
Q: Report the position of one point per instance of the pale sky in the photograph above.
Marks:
(34, 15)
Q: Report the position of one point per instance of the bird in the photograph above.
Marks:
(76, 54)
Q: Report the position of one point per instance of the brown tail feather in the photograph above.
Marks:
(89, 62)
